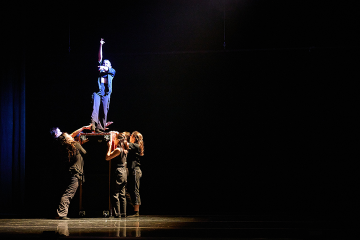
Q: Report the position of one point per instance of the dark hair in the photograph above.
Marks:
(68, 145)
(139, 140)
(127, 135)
(122, 141)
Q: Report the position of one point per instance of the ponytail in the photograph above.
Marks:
(139, 140)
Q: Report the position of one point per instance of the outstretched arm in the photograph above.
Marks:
(76, 132)
(100, 54)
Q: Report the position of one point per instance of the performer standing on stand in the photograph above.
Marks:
(119, 176)
(101, 99)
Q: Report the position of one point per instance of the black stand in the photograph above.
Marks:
(94, 193)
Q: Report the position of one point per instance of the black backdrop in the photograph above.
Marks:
(264, 126)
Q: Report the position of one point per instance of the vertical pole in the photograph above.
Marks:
(80, 195)
(110, 209)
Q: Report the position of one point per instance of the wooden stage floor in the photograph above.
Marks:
(173, 227)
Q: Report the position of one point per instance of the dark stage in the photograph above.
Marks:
(254, 138)
(175, 227)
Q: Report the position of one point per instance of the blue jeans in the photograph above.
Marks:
(100, 117)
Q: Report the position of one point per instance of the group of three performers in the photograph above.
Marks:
(122, 148)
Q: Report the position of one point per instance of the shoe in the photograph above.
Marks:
(97, 130)
(62, 218)
(108, 123)
(136, 214)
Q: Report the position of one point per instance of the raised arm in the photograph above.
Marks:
(111, 154)
(100, 54)
(76, 132)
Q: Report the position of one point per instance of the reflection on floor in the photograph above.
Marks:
(172, 227)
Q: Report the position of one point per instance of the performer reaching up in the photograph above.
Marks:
(75, 163)
(101, 99)
(136, 151)
(117, 150)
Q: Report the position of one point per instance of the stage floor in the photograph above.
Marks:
(172, 227)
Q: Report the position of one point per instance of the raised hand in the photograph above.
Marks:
(88, 127)
(103, 68)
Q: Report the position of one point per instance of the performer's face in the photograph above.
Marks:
(107, 63)
(132, 139)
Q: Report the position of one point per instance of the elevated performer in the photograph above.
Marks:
(101, 99)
